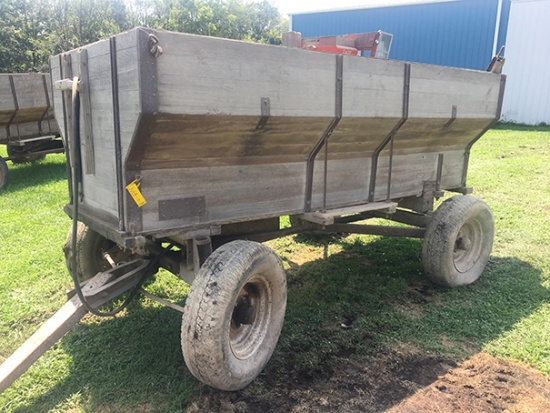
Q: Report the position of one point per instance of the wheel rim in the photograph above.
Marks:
(467, 248)
(250, 317)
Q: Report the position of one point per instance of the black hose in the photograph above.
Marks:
(76, 175)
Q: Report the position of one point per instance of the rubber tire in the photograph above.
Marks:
(90, 246)
(445, 261)
(3, 173)
(207, 320)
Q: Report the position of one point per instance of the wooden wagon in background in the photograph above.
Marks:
(186, 150)
(27, 124)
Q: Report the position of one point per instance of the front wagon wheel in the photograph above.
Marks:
(94, 253)
(458, 241)
(234, 314)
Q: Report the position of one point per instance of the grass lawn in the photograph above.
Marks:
(133, 363)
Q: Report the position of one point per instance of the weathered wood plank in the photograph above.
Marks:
(327, 217)
(25, 103)
(410, 171)
(435, 90)
(372, 88)
(45, 337)
(230, 77)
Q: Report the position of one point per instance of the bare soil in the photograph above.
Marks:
(402, 382)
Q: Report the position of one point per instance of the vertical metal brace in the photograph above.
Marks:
(116, 125)
(149, 52)
(438, 193)
(265, 112)
(48, 106)
(453, 117)
(16, 109)
(495, 120)
(323, 142)
(89, 159)
(325, 176)
(390, 168)
(65, 72)
(389, 138)
(202, 248)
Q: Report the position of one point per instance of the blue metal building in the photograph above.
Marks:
(460, 33)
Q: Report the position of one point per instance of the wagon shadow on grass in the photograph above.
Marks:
(35, 174)
(364, 320)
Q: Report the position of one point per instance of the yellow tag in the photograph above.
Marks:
(135, 193)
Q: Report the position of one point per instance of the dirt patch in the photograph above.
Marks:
(483, 384)
(403, 382)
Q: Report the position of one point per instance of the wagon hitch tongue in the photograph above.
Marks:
(99, 290)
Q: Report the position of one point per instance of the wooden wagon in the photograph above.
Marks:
(27, 124)
(185, 151)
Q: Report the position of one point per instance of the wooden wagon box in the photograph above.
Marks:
(26, 109)
(218, 131)
(27, 124)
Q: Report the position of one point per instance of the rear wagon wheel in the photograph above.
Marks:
(458, 241)
(3, 173)
(234, 315)
(24, 155)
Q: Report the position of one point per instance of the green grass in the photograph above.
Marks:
(133, 362)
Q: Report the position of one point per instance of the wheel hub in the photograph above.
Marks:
(244, 312)
(467, 247)
(250, 318)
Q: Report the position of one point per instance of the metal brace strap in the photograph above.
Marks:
(323, 142)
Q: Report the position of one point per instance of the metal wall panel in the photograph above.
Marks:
(527, 97)
(456, 33)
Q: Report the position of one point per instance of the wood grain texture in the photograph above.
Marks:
(220, 76)
(44, 338)
(207, 138)
(327, 217)
(27, 113)
(435, 89)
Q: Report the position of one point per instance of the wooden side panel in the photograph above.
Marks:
(372, 88)
(230, 193)
(6, 99)
(25, 113)
(7, 106)
(209, 76)
(128, 86)
(194, 141)
(409, 172)
(359, 137)
(433, 135)
(57, 98)
(100, 188)
(435, 90)
(347, 182)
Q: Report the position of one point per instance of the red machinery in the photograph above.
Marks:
(378, 43)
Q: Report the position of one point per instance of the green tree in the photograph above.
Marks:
(78, 22)
(33, 30)
(23, 25)
(233, 19)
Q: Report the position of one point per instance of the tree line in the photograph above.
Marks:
(33, 30)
